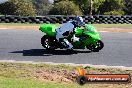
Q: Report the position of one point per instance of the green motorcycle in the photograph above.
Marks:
(89, 38)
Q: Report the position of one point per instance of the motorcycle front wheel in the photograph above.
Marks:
(93, 48)
(99, 46)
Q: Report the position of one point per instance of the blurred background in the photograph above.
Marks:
(65, 7)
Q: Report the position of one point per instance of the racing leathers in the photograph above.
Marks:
(64, 31)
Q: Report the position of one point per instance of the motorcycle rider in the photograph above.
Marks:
(68, 28)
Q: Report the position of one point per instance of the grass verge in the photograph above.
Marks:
(99, 27)
(96, 25)
(29, 83)
(19, 24)
(26, 75)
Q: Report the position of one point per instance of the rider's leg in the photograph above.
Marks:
(70, 46)
(63, 41)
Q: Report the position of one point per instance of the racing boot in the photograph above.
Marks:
(67, 44)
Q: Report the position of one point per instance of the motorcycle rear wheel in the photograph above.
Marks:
(48, 42)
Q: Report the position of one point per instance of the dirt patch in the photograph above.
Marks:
(56, 75)
(66, 76)
(37, 27)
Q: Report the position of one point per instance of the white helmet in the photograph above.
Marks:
(79, 20)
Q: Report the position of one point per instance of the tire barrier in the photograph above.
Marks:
(96, 19)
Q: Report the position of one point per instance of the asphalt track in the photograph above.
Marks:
(24, 45)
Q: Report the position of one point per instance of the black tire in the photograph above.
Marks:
(92, 48)
(100, 44)
(48, 42)
(81, 80)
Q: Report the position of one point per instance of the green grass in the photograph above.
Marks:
(29, 83)
(19, 24)
(21, 75)
(96, 25)
(19, 83)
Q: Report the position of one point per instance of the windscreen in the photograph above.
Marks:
(90, 28)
